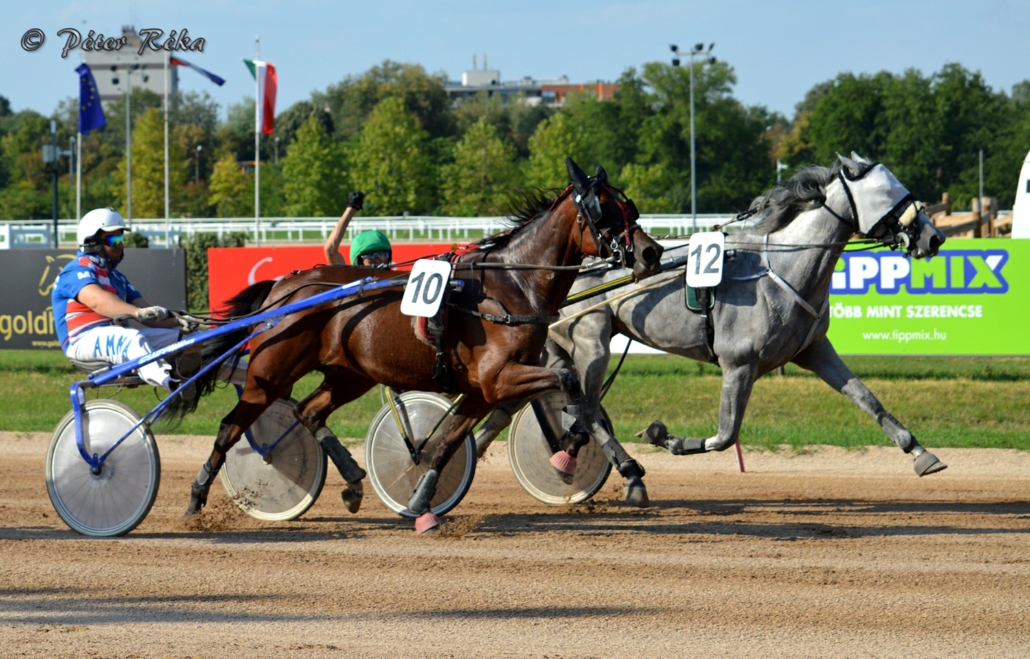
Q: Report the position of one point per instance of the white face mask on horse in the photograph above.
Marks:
(885, 210)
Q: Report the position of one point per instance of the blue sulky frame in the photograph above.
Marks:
(264, 320)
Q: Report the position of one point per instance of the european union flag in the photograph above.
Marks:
(91, 113)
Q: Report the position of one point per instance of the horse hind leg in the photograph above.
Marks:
(229, 432)
(313, 412)
(737, 383)
(499, 419)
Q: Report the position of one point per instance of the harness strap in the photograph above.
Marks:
(784, 285)
(507, 318)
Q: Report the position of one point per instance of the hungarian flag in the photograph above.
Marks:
(267, 83)
(177, 61)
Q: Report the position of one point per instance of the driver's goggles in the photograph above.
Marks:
(114, 239)
(381, 257)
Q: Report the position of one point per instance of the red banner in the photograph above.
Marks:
(231, 269)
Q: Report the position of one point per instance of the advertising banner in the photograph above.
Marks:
(231, 269)
(26, 317)
(971, 299)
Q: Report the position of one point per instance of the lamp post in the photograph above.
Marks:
(196, 178)
(699, 50)
(277, 149)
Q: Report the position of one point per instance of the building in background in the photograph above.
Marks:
(527, 90)
(111, 69)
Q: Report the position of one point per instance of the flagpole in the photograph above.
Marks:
(167, 205)
(257, 148)
(78, 175)
(78, 154)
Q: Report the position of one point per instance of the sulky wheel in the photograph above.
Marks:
(389, 463)
(115, 499)
(529, 454)
(284, 483)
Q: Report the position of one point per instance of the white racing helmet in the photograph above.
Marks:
(100, 219)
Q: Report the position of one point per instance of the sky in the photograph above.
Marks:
(779, 49)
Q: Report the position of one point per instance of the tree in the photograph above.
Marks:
(483, 171)
(314, 183)
(148, 177)
(554, 140)
(391, 162)
(734, 155)
(352, 100)
(232, 191)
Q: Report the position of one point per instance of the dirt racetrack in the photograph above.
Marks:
(828, 553)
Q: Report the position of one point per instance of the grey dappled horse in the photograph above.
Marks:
(771, 308)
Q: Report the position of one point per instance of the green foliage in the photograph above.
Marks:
(229, 189)
(148, 175)
(313, 173)
(136, 240)
(928, 130)
(392, 162)
(352, 101)
(482, 173)
(196, 263)
(555, 139)
(394, 132)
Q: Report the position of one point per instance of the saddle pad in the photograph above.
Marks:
(693, 303)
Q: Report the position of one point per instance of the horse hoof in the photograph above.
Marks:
(635, 493)
(927, 463)
(352, 499)
(654, 434)
(564, 465)
(426, 523)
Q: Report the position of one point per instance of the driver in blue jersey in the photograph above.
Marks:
(90, 293)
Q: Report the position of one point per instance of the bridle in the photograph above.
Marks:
(589, 213)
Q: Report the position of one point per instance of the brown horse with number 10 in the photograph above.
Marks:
(511, 287)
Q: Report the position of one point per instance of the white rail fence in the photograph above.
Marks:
(280, 230)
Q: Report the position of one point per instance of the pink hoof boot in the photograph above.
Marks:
(426, 522)
(564, 462)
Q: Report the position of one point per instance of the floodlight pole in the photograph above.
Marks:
(697, 49)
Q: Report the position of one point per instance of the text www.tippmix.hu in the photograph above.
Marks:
(905, 337)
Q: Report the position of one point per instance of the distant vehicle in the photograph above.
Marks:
(1021, 209)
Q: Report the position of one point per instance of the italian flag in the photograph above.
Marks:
(267, 83)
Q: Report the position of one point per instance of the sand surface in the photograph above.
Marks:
(827, 553)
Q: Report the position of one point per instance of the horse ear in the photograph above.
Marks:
(600, 175)
(854, 169)
(577, 177)
(860, 160)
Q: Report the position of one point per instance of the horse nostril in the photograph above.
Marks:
(650, 255)
(935, 244)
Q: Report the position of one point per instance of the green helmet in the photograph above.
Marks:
(368, 241)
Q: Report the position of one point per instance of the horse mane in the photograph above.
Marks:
(522, 207)
(777, 207)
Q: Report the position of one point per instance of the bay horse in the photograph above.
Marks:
(771, 308)
(512, 286)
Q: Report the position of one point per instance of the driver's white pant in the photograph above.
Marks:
(121, 344)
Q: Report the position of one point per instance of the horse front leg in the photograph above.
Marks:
(465, 418)
(737, 383)
(515, 380)
(822, 359)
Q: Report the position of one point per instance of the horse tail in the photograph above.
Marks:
(245, 302)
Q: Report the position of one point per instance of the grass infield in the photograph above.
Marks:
(950, 402)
